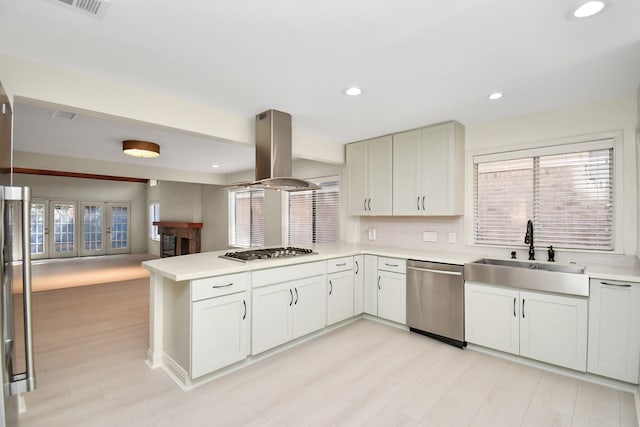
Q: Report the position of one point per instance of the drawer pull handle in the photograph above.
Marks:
(245, 309)
(330, 287)
(296, 296)
(391, 265)
(342, 264)
(221, 286)
(291, 302)
(616, 284)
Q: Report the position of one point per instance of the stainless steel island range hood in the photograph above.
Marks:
(274, 156)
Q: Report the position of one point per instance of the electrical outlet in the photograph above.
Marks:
(429, 236)
(452, 237)
(372, 233)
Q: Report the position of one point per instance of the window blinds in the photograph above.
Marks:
(248, 218)
(568, 196)
(313, 215)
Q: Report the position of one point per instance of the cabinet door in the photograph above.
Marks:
(553, 329)
(491, 317)
(371, 285)
(220, 333)
(407, 194)
(309, 306)
(437, 173)
(614, 329)
(392, 296)
(340, 296)
(357, 165)
(272, 317)
(380, 176)
(358, 284)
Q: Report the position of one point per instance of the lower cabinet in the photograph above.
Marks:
(545, 327)
(340, 296)
(614, 329)
(285, 311)
(358, 284)
(392, 296)
(220, 332)
(370, 289)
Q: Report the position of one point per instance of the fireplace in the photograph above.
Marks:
(178, 238)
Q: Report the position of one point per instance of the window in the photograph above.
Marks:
(247, 218)
(313, 215)
(154, 216)
(566, 190)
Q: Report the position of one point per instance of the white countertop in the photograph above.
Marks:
(195, 266)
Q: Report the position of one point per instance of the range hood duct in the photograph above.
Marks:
(273, 155)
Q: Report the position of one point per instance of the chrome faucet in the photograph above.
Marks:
(528, 239)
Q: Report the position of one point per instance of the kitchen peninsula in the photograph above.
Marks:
(210, 316)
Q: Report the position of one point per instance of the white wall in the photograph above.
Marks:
(180, 201)
(215, 218)
(611, 115)
(92, 190)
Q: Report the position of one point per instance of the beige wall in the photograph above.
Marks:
(92, 190)
(215, 218)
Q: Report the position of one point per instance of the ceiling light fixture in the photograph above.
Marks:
(143, 149)
(215, 166)
(495, 96)
(589, 8)
(353, 91)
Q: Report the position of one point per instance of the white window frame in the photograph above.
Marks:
(549, 147)
(318, 181)
(154, 232)
(231, 225)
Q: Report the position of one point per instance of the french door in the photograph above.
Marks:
(68, 229)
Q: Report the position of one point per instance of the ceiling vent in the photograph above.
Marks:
(96, 8)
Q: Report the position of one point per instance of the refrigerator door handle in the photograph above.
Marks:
(26, 381)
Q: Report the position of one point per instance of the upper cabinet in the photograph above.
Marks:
(415, 173)
(428, 171)
(370, 176)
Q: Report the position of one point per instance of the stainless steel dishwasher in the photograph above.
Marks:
(435, 301)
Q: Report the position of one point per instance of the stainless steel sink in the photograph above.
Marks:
(537, 276)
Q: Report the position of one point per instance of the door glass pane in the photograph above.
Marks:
(92, 228)
(37, 228)
(119, 227)
(64, 219)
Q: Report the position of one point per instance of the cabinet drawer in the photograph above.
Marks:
(219, 285)
(395, 265)
(340, 264)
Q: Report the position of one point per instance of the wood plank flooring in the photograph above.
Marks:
(91, 344)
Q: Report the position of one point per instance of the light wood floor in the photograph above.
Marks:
(91, 344)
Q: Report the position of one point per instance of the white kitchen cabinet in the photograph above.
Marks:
(369, 164)
(371, 285)
(285, 311)
(553, 329)
(220, 332)
(545, 327)
(428, 171)
(392, 296)
(358, 284)
(339, 296)
(492, 317)
(614, 329)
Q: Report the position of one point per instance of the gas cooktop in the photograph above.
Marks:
(266, 253)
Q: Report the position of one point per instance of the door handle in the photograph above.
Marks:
(296, 303)
(357, 267)
(429, 270)
(330, 287)
(514, 306)
(423, 203)
(245, 309)
(365, 204)
(418, 203)
(523, 308)
(379, 283)
(291, 302)
(369, 205)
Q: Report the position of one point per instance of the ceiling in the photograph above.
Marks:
(417, 61)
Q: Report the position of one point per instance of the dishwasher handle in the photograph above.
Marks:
(429, 270)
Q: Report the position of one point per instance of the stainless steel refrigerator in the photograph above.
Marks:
(15, 268)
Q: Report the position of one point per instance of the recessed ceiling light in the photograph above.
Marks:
(63, 115)
(589, 8)
(215, 166)
(495, 95)
(353, 91)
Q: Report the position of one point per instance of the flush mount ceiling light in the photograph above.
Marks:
(589, 8)
(495, 96)
(144, 149)
(353, 91)
(215, 166)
